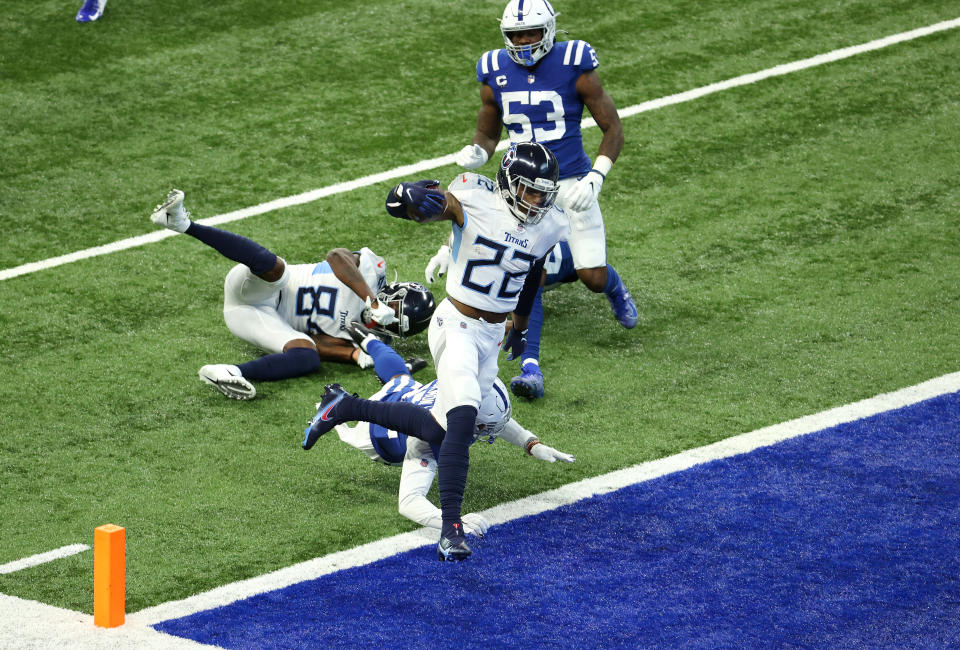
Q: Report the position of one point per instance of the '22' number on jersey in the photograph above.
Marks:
(498, 252)
(521, 120)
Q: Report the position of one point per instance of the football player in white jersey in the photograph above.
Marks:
(501, 232)
(417, 457)
(537, 88)
(557, 269)
(298, 312)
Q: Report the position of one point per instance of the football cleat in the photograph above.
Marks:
(170, 214)
(453, 550)
(624, 309)
(91, 10)
(228, 380)
(324, 420)
(529, 384)
(360, 334)
(414, 364)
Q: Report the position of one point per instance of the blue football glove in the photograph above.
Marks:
(425, 197)
(515, 343)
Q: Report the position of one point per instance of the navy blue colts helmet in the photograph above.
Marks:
(414, 305)
(527, 180)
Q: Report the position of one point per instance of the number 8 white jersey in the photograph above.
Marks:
(493, 251)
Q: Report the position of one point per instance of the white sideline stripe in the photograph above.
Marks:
(29, 625)
(425, 165)
(42, 558)
(565, 495)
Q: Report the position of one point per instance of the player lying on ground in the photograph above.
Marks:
(418, 457)
(297, 312)
(557, 269)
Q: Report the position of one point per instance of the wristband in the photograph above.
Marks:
(602, 165)
(597, 171)
(530, 445)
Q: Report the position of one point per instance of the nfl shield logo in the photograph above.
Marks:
(531, 78)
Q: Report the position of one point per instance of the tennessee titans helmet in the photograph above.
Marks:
(523, 15)
(494, 412)
(527, 180)
(415, 308)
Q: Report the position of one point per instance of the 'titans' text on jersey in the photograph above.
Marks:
(492, 253)
(541, 104)
(314, 300)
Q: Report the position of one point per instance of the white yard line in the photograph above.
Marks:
(433, 163)
(42, 558)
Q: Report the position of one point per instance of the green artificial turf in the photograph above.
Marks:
(791, 244)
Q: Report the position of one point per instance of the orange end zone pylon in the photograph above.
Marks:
(109, 575)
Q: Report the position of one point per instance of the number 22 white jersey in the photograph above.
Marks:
(493, 251)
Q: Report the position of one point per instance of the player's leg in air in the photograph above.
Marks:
(338, 406)
(249, 293)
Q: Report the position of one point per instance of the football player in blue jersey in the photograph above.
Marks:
(298, 312)
(418, 458)
(501, 232)
(537, 88)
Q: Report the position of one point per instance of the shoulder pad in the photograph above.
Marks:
(470, 181)
(488, 64)
(579, 54)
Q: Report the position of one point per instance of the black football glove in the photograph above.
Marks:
(423, 196)
(515, 343)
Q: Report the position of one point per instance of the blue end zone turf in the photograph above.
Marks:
(844, 538)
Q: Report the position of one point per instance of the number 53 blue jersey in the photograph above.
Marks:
(541, 104)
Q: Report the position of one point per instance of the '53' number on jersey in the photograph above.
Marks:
(521, 120)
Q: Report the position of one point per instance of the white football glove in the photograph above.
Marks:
(364, 360)
(584, 192)
(438, 263)
(475, 524)
(382, 314)
(542, 452)
(472, 156)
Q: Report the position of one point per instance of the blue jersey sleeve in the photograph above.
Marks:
(488, 66)
(580, 55)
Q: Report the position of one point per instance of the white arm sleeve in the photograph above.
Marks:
(416, 477)
(516, 434)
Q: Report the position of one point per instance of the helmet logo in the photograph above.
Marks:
(509, 157)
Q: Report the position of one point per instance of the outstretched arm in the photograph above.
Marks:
(519, 436)
(424, 202)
